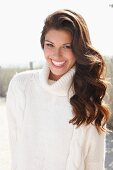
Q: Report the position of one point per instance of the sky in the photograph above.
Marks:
(21, 23)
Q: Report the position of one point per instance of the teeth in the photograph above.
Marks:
(56, 63)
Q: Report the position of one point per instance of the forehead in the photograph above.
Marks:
(59, 35)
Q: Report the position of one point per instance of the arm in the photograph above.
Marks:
(94, 149)
(15, 106)
(87, 149)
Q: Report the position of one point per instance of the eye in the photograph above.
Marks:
(49, 45)
(67, 46)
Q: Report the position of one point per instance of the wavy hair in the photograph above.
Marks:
(89, 79)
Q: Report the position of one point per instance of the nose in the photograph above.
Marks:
(57, 53)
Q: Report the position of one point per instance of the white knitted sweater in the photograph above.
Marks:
(41, 137)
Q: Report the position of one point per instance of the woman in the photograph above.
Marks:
(56, 116)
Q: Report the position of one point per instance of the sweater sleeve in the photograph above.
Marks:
(87, 149)
(15, 102)
(94, 150)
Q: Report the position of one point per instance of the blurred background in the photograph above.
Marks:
(21, 23)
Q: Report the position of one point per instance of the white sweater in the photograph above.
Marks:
(41, 137)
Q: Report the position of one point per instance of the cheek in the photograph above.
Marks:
(72, 61)
(46, 53)
(72, 58)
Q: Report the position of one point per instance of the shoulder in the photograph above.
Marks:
(25, 75)
(21, 79)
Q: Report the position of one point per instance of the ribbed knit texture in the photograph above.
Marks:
(61, 86)
(41, 137)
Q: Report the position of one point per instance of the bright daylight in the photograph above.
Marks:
(21, 25)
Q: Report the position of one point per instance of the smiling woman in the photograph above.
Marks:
(58, 52)
(56, 116)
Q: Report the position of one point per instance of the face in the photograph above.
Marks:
(58, 52)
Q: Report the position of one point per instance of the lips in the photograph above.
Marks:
(58, 63)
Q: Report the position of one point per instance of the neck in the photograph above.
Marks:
(59, 87)
(54, 77)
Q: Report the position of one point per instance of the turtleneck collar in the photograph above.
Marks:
(59, 87)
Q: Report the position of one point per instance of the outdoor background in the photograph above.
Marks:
(21, 22)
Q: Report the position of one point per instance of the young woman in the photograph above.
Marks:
(56, 116)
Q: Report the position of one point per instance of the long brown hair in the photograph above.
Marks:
(89, 80)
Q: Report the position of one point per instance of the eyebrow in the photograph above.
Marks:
(49, 41)
(63, 44)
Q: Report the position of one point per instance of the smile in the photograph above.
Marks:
(57, 63)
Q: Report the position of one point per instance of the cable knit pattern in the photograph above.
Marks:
(41, 137)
